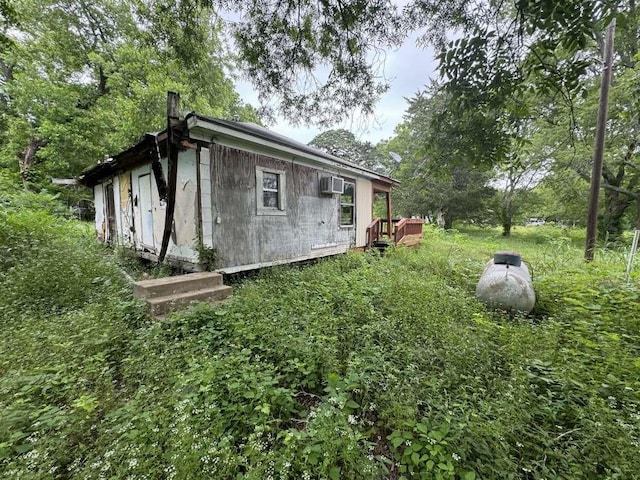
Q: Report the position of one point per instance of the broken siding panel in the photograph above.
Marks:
(99, 206)
(116, 213)
(158, 209)
(126, 226)
(245, 238)
(364, 210)
(184, 238)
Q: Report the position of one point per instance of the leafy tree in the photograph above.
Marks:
(343, 143)
(82, 80)
(322, 59)
(573, 148)
(438, 179)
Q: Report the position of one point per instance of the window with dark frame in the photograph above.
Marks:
(347, 205)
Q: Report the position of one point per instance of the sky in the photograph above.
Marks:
(408, 70)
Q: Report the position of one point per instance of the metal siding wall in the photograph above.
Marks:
(311, 223)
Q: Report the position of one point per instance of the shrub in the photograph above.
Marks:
(359, 366)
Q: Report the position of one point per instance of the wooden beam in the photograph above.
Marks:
(389, 220)
(64, 181)
(173, 141)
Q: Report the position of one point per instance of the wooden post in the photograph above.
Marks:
(389, 220)
(173, 120)
(598, 154)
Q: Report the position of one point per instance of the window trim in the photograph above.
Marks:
(282, 183)
(352, 205)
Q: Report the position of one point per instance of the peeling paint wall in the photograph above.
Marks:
(99, 205)
(125, 218)
(184, 239)
(115, 181)
(242, 237)
(148, 212)
(142, 184)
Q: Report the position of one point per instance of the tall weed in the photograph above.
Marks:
(361, 366)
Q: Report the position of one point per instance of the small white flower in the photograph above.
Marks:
(456, 457)
(352, 419)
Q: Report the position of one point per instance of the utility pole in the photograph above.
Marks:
(598, 154)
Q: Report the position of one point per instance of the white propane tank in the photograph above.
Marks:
(506, 283)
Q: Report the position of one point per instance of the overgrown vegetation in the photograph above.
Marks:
(358, 367)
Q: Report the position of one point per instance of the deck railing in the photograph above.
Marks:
(408, 226)
(374, 231)
(401, 228)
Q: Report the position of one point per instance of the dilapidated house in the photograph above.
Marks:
(234, 194)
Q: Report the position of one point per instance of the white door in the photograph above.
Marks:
(145, 209)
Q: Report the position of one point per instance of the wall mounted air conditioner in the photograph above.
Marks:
(331, 185)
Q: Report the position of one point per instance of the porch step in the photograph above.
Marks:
(160, 287)
(176, 301)
(164, 295)
(381, 245)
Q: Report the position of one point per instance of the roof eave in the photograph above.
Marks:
(237, 131)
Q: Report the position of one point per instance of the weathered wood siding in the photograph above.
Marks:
(310, 226)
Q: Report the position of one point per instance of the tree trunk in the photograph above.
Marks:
(506, 228)
(506, 216)
(617, 204)
(27, 158)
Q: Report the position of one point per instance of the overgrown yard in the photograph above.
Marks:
(358, 367)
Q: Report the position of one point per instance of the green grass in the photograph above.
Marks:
(359, 366)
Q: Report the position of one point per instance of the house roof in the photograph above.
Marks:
(241, 131)
(278, 139)
(127, 159)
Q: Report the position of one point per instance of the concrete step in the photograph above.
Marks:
(160, 287)
(176, 301)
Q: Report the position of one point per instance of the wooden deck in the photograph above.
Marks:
(405, 231)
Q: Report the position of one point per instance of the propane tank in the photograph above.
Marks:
(506, 283)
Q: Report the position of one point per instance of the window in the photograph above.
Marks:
(347, 205)
(270, 188)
